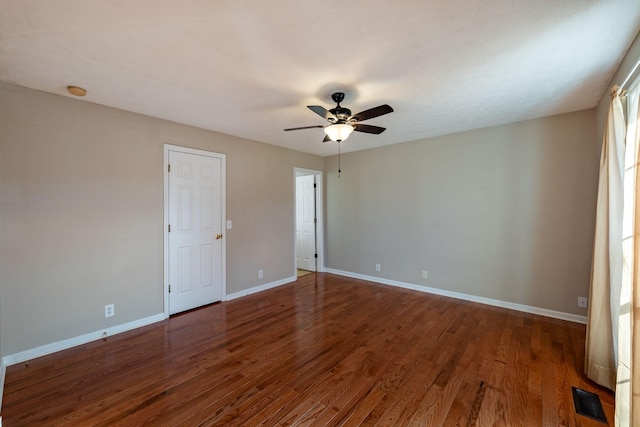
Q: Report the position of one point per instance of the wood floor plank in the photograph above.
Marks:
(323, 351)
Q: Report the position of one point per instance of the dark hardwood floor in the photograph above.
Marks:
(325, 350)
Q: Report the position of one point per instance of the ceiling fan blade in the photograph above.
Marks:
(306, 127)
(326, 138)
(373, 112)
(321, 111)
(368, 128)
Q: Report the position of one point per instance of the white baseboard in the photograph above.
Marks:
(46, 349)
(467, 297)
(3, 371)
(260, 288)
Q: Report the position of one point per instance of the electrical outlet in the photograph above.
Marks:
(260, 274)
(425, 274)
(109, 310)
(377, 267)
(582, 302)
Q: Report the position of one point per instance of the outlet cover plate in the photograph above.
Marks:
(109, 310)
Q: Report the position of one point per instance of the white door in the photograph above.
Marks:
(305, 223)
(195, 230)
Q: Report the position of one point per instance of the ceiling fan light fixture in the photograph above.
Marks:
(338, 132)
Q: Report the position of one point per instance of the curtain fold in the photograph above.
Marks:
(601, 357)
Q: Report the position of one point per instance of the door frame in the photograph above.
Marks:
(320, 268)
(223, 215)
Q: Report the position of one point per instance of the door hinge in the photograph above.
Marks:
(169, 228)
(315, 255)
(315, 185)
(168, 168)
(169, 288)
(315, 220)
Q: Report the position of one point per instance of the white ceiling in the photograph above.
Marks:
(249, 68)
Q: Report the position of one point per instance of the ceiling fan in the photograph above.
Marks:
(342, 122)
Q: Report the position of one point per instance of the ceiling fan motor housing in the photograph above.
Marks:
(341, 113)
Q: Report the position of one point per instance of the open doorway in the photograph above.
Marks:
(309, 247)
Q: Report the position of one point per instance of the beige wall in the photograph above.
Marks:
(505, 212)
(81, 214)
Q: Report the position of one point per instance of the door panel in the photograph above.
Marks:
(184, 201)
(195, 216)
(185, 267)
(305, 223)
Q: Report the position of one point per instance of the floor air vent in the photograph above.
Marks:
(588, 404)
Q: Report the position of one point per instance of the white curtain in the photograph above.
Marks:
(606, 273)
(613, 329)
(628, 389)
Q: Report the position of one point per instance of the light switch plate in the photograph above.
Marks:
(229, 224)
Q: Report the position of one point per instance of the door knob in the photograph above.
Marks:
(218, 236)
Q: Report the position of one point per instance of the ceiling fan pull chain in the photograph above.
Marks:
(339, 160)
